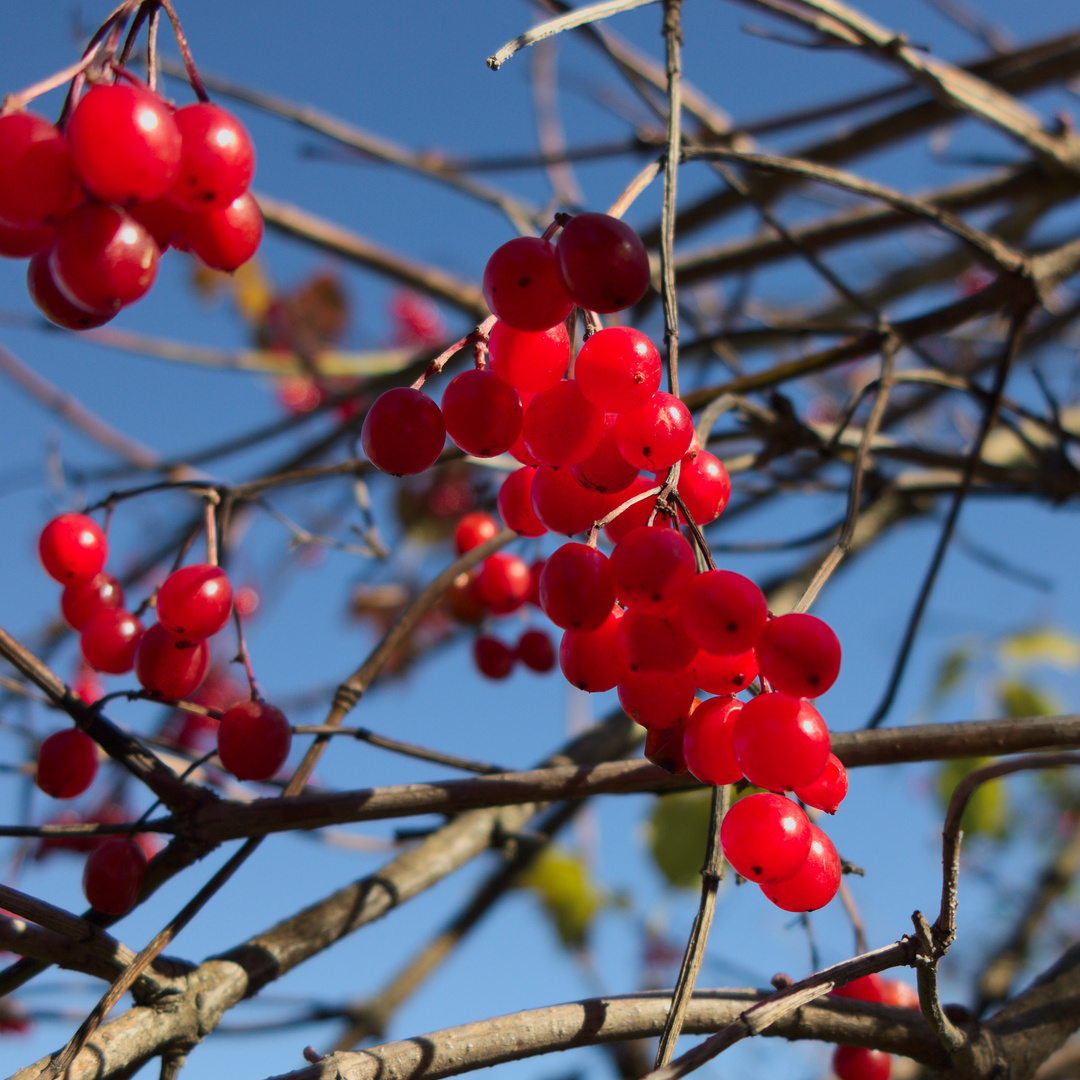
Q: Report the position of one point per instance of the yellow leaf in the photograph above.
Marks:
(1042, 645)
(562, 884)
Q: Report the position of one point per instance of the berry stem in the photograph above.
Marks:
(244, 657)
(185, 52)
(673, 41)
(480, 334)
(609, 518)
(212, 501)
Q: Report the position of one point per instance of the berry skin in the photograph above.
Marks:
(483, 414)
(226, 238)
(723, 612)
(253, 740)
(657, 434)
(474, 529)
(67, 764)
(707, 741)
(815, 883)
(618, 369)
(603, 263)
(657, 699)
(898, 993)
(503, 582)
(114, 875)
(109, 640)
(18, 243)
(217, 159)
(861, 1063)
(781, 742)
(195, 602)
(704, 486)
(72, 548)
(868, 988)
(535, 651)
(103, 259)
(723, 674)
(664, 747)
(799, 655)
(493, 659)
(515, 503)
(169, 666)
(522, 285)
(82, 600)
(828, 791)
(38, 184)
(652, 567)
(765, 837)
(605, 470)
(590, 660)
(529, 362)
(576, 588)
(563, 505)
(560, 426)
(53, 304)
(654, 641)
(163, 220)
(403, 432)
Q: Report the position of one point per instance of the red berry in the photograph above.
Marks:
(781, 742)
(590, 660)
(72, 548)
(109, 640)
(82, 600)
(765, 837)
(605, 470)
(217, 159)
(226, 238)
(653, 567)
(103, 259)
(86, 684)
(708, 745)
(618, 369)
(723, 674)
(417, 320)
(169, 666)
(861, 1063)
(67, 764)
(163, 220)
(463, 601)
(654, 641)
(503, 582)
(493, 659)
(18, 243)
(403, 432)
(38, 184)
(483, 414)
(529, 362)
(560, 427)
(867, 988)
(562, 504)
(799, 655)
(603, 263)
(704, 486)
(576, 588)
(195, 601)
(114, 875)
(815, 883)
(515, 504)
(900, 994)
(535, 651)
(723, 612)
(253, 740)
(657, 699)
(53, 304)
(657, 434)
(474, 529)
(827, 792)
(522, 285)
(664, 747)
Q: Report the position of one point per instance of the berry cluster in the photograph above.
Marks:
(862, 1063)
(596, 438)
(94, 205)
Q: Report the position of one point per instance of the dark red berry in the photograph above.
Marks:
(114, 874)
(603, 263)
(53, 304)
(18, 243)
(483, 414)
(67, 764)
(861, 1063)
(563, 505)
(664, 747)
(253, 740)
(522, 285)
(515, 504)
(195, 602)
(654, 641)
(576, 588)
(535, 651)
(605, 470)
(561, 427)
(403, 432)
(38, 184)
(637, 514)
(493, 659)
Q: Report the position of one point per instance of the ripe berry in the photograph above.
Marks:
(67, 764)
(657, 699)
(535, 651)
(217, 159)
(114, 875)
(169, 666)
(529, 362)
(618, 369)
(474, 529)
(654, 641)
(605, 470)
(723, 674)
(493, 659)
(898, 993)
(799, 655)
(522, 285)
(18, 243)
(103, 259)
(72, 548)
(867, 988)
(603, 263)
(226, 238)
(403, 432)
(560, 426)
(483, 414)
(503, 582)
(253, 740)
(82, 600)
(576, 588)
(765, 837)
(590, 660)
(164, 221)
(781, 742)
(657, 434)
(708, 745)
(653, 567)
(53, 304)
(815, 883)
(827, 792)
(109, 640)
(125, 142)
(195, 601)
(664, 747)
(38, 184)
(861, 1063)
(515, 504)
(723, 612)
(704, 486)
(562, 504)
(463, 601)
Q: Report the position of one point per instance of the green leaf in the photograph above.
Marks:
(1018, 698)
(561, 882)
(987, 812)
(1042, 645)
(951, 671)
(678, 831)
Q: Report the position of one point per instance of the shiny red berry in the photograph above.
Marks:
(652, 566)
(109, 640)
(828, 791)
(515, 503)
(781, 742)
(53, 304)
(577, 590)
(657, 699)
(82, 600)
(253, 740)
(72, 548)
(169, 666)
(605, 470)
(114, 875)
(708, 741)
(654, 641)
(815, 883)
(522, 285)
(562, 504)
(590, 660)
(867, 988)
(38, 184)
(765, 837)
(67, 764)
(618, 369)
(217, 158)
(723, 612)
(503, 582)
(529, 361)
(482, 413)
(861, 1063)
(704, 486)
(226, 238)
(474, 529)
(195, 602)
(799, 654)
(560, 426)
(657, 434)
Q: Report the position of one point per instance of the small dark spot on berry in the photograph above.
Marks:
(657, 597)
(638, 377)
(756, 869)
(813, 680)
(523, 282)
(738, 680)
(732, 627)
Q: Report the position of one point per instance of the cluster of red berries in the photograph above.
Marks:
(859, 1062)
(96, 204)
